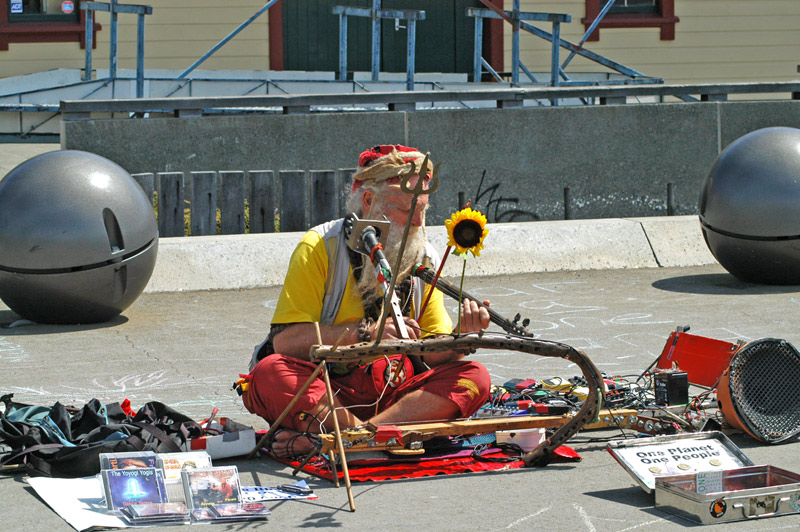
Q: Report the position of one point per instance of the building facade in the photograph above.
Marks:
(680, 41)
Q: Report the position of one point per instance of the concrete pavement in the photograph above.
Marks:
(186, 348)
(12, 154)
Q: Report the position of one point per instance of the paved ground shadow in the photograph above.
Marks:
(719, 284)
(631, 496)
(12, 323)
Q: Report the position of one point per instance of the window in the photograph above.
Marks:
(633, 14)
(631, 6)
(42, 21)
(42, 11)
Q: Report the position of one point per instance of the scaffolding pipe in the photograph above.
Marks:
(230, 36)
(376, 40)
(589, 31)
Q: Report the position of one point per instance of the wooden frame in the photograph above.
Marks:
(665, 20)
(56, 31)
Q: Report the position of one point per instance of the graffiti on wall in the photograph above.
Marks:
(497, 207)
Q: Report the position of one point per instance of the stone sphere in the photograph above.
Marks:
(750, 207)
(78, 237)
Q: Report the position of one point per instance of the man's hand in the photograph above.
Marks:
(473, 317)
(390, 332)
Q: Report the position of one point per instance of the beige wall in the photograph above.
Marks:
(176, 35)
(715, 41)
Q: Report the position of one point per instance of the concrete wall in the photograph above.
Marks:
(616, 160)
(235, 262)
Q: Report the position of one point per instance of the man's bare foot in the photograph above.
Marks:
(288, 443)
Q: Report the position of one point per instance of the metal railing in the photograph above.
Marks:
(114, 9)
(518, 20)
(410, 101)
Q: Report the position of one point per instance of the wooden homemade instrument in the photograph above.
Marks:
(365, 352)
(517, 338)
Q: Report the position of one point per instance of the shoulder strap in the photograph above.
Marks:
(430, 256)
(169, 444)
(419, 287)
(30, 461)
(338, 268)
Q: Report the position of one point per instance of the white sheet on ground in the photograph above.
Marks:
(79, 501)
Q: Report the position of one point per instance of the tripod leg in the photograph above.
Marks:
(338, 435)
(332, 461)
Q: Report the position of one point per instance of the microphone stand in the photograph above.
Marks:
(415, 193)
(366, 237)
(390, 296)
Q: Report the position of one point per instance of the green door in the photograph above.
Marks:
(444, 40)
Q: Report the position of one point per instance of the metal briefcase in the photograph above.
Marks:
(730, 495)
(705, 478)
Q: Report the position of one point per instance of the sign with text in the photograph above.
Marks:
(672, 455)
(709, 482)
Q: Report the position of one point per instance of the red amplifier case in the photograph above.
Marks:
(703, 359)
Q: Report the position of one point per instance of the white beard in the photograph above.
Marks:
(367, 286)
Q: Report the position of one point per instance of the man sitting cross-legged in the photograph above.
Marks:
(350, 304)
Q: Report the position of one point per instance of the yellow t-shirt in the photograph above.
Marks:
(304, 289)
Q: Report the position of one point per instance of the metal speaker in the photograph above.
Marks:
(759, 392)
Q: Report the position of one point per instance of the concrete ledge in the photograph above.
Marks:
(222, 262)
(260, 260)
(554, 246)
(677, 241)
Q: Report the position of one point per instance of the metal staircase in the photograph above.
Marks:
(29, 106)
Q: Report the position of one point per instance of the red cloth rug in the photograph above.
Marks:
(395, 467)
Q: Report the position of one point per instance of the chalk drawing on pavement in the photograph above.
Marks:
(11, 352)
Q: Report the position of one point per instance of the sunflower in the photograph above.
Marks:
(466, 230)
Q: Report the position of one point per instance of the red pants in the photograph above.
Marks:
(275, 380)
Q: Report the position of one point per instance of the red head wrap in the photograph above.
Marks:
(385, 163)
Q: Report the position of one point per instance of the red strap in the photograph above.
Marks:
(372, 252)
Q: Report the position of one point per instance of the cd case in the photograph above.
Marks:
(231, 512)
(165, 512)
(128, 460)
(212, 485)
(126, 487)
(173, 463)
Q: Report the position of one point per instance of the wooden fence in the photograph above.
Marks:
(236, 202)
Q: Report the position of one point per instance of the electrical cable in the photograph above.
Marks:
(478, 450)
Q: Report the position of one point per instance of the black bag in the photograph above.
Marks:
(66, 442)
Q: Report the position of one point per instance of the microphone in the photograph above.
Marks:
(374, 249)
